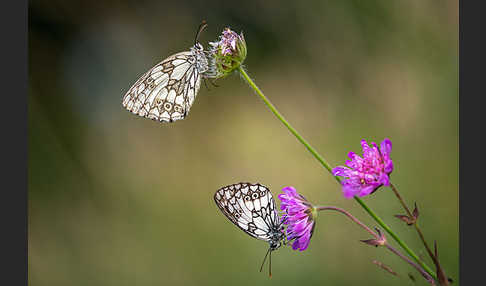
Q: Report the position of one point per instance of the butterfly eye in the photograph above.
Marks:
(254, 196)
(247, 198)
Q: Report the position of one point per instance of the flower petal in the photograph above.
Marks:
(384, 179)
(388, 168)
(386, 147)
(349, 192)
(341, 171)
(366, 190)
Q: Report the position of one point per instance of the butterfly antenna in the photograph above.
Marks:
(202, 26)
(261, 267)
(270, 266)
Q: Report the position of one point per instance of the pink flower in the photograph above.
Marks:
(365, 175)
(299, 218)
(228, 41)
(228, 53)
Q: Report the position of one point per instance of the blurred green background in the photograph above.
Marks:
(116, 199)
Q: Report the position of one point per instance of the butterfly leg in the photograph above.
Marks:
(205, 83)
(212, 82)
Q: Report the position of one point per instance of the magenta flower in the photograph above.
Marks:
(365, 175)
(299, 218)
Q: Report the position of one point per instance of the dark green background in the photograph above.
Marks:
(115, 199)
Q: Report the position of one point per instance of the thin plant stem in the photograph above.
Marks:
(397, 194)
(377, 237)
(421, 235)
(350, 216)
(404, 205)
(395, 237)
(329, 169)
(422, 271)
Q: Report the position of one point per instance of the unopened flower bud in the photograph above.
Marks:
(228, 53)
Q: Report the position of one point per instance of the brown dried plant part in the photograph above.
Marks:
(385, 267)
(380, 241)
(410, 220)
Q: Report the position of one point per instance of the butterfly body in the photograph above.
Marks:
(252, 208)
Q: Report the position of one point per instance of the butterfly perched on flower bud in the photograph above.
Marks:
(167, 91)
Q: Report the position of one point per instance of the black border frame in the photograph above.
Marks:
(15, 131)
(470, 146)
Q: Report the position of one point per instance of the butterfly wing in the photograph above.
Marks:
(167, 91)
(251, 207)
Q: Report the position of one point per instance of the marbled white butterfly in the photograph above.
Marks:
(167, 91)
(252, 208)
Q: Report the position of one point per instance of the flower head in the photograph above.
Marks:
(228, 42)
(299, 217)
(365, 175)
(229, 52)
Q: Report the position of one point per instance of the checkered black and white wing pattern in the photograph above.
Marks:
(252, 208)
(167, 91)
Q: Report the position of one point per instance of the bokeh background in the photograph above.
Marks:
(116, 199)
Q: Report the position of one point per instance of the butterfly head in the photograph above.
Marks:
(197, 51)
(198, 48)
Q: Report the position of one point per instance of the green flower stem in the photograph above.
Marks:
(329, 169)
(282, 119)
